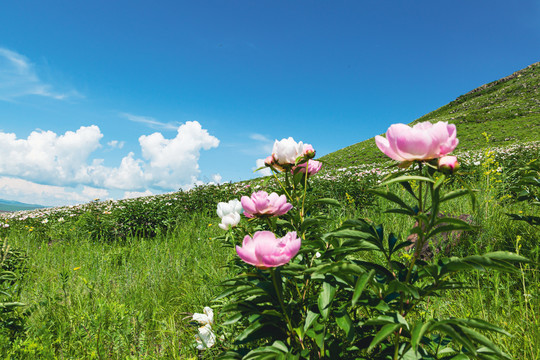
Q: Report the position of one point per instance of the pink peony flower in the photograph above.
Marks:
(264, 250)
(313, 167)
(423, 141)
(309, 151)
(262, 204)
(448, 164)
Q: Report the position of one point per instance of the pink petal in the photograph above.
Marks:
(384, 146)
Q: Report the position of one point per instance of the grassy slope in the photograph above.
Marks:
(507, 109)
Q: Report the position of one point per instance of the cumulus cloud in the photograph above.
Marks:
(94, 193)
(153, 123)
(216, 179)
(66, 160)
(48, 158)
(174, 163)
(32, 193)
(18, 77)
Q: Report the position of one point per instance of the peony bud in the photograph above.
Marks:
(448, 164)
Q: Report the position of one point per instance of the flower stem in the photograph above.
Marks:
(280, 299)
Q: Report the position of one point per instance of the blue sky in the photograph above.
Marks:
(111, 99)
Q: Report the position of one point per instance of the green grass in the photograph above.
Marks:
(118, 300)
(132, 298)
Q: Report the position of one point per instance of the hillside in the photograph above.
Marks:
(8, 205)
(508, 110)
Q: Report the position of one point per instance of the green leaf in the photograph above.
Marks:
(453, 194)
(484, 325)
(439, 182)
(325, 298)
(407, 178)
(385, 331)
(310, 318)
(399, 211)
(328, 201)
(507, 256)
(361, 283)
(344, 321)
(481, 339)
(337, 268)
(409, 189)
(418, 332)
(280, 346)
(253, 327)
(446, 328)
(392, 197)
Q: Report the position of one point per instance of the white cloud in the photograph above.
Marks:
(94, 193)
(263, 172)
(136, 194)
(153, 123)
(259, 137)
(32, 193)
(18, 77)
(48, 158)
(66, 160)
(216, 179)
(265, 144)
(174, 163)
(115, 144)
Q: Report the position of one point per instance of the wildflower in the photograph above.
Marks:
(206, 338)
(313, 167)
(423, 141)
(229, 212)
(261, 204)
(264, 250)
(286, 151)
(230, 220)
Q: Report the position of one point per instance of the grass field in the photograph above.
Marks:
(120, 280)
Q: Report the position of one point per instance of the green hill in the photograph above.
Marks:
(507, 110)
(8, 205)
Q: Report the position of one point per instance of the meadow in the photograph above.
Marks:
(122, 279)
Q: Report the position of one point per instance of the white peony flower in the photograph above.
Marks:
(229, 212)
(206, 338)
(205, 319)
(226, 208)
(286, 151)
(230, 220)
